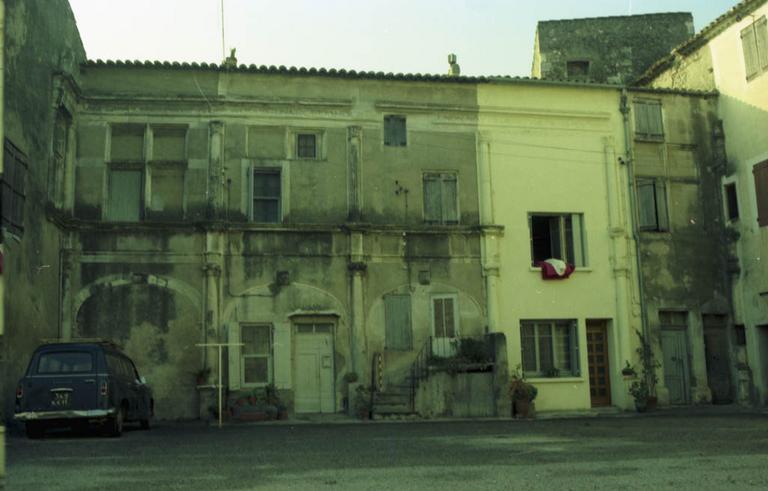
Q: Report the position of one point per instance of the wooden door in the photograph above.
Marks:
(597, 354)
(313, 369)
(716, 352)
(674, 347)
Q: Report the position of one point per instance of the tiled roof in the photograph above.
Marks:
(614, 17)
(700, 38)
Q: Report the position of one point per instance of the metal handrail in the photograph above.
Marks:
(377, 371)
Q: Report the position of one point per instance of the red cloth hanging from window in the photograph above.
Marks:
(555, 269)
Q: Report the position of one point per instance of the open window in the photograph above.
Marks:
(557, 236)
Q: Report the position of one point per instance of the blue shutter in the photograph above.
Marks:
(397, 320)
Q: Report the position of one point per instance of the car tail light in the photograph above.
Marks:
(103, 389)
(19, 392)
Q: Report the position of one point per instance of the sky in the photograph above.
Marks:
(490, 37)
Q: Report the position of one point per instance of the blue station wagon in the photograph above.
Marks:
(79, 383)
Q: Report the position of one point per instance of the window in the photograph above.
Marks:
(394, 131)
(648, 120)
(127, 143)
(760, 172)
(441, 198)
(306, 146)
(397, 321)
(444, 316)
(126, 195)
(557, 237)
(652, 205)
(731, 202)
(257, 354)
(266, 196)
(754, 43)
(577, 69)
(550, 348)
(13, 189)
(65, 362)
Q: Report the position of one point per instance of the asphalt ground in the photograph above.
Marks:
(655, 451)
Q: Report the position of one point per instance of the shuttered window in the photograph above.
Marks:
(397, 319)
(549, 348)
(444, 316)
(760, 173)
(256, 354)
(440, 198)
(648, 120)
(754, 44)
(125, 195)
(395, 131)
(652, 205)
(13, 189)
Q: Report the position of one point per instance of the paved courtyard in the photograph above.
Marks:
(703, 451)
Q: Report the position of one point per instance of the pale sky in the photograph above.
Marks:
(490, 37)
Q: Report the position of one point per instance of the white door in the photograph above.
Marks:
(445, 325)
(314, 387)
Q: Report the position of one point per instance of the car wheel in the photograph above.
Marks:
(34, 429)
(115, 426)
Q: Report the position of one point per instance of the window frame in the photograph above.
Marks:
(14, 189)
(644, 129)
(573, 348)
(760, 176)
(319, 136)
(577, 222)
(455, 304)
(659, 187)
(731, 201)
(252, 193)
(269, 355)
(581, 64)
(442, 177)
(395, 130)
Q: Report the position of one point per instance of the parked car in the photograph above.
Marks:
(82, 383)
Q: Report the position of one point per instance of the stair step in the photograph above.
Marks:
(392, 409)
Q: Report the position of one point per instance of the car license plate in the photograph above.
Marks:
(60, 398)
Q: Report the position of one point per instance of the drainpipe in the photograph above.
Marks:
(629, 161)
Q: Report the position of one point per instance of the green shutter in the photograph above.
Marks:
(575, 362)
(233, 355)
(646, 206)
(749, 46)
(432, 198)
(662, 214)
(449, 199)
(397, 321)
(761, 40)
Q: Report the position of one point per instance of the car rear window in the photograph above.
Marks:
(65, 362)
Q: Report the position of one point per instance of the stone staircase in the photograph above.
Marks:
(393, 401)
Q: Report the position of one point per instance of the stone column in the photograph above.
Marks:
(215, 170)
(354, 168)
(358, 342)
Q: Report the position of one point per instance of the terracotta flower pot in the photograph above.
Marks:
(522, 408)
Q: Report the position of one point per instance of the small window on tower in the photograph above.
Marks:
(577, 69)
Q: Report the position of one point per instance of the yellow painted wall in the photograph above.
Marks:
(555, 149)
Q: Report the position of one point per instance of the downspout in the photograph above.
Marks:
(629, 161)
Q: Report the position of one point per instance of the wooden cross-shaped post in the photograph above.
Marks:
(219, 385)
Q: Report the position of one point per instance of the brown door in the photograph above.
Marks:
(597, 353)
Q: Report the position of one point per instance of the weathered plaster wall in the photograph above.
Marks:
(41, 39)
(618, 48)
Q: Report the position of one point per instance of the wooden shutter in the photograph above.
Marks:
(662, 213)
(761, 40)
(233, 355)
(125, 195)
(655, 125)
(432, 198)
(641, 118)
(397, 320)
(449, 199)
(646, 204)
(574, 346)
(760, 172)
(749, 45)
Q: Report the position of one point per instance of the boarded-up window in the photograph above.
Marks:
(306, 146)
(13, 189)
(125, 195)
(549, 348)
(167, 197)
(444, 316)
(266, 196)
(397, 319)
(558, 237)
(257, 354)
(652, 205)
(440, 198)
(754, 44)
(395, 131)
(127, 144)
(169, 143)
(648, 120)
(760, 172)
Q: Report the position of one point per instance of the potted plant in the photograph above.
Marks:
(522, 394)
(362, 402)
(641, 392)
(644, 389)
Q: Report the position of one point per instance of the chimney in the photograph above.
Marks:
(454, 69)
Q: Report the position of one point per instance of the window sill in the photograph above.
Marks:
(308, 159)
(579, 269)
(554, 380)
(649, 138)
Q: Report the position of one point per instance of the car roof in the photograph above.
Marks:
(79, 346)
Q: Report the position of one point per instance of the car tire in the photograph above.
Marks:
(115, 424)
(35, 430)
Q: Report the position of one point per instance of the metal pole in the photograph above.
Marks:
(220, 403)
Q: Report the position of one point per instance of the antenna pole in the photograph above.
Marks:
(223, 49)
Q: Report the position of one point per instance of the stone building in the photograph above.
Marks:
(613, 49)
(731, 56)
